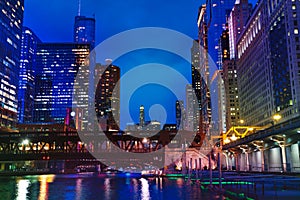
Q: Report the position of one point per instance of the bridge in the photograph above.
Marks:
(57, 145)
(274, 149)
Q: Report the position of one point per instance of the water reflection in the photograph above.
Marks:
(107, 188)
(135, 186)
(22, 189)
(145, 189)
(44, 185)
(81, 187)
(78, 189)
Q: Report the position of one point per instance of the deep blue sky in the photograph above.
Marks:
(52, 21)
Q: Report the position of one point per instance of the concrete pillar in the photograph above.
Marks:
(295, 157)
(183, 170)
(237, 164)
(226, 160)
(284, 160)
(200, 164)
(262, 150)
(247, 162)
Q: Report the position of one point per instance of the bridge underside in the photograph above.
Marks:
(274, 149)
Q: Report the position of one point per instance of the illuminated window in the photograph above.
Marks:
(296, 31)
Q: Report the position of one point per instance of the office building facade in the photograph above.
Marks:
(217, 13)
(57, 67)
(237, 19)
(11, 20)
(27, 76)
(268, 65)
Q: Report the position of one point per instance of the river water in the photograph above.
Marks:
(103, 187)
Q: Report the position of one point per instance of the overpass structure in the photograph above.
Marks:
(274, 149)
(46, 146)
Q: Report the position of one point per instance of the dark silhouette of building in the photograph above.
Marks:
(107, 98)
(180, 115)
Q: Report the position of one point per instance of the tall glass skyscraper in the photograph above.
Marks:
(27, 76)
(11, 20)
(57, 67)
(84, 30)
(217, 11)
(84, 33)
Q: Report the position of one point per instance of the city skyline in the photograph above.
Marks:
(166, 15)
(211, 116)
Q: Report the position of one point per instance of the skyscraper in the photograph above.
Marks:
(11, 20)
(230, 79)
(237, 19)
(268, 65)
(231, 93)
(84, 33)
(180, 115)
(201, 76)
(27, 76)
(57, 67)
(107, 98)
(190, 108)
(142, 115)
(84, 30)
(217, 12)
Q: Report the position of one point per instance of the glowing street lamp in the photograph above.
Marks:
(25, 142)
(145, 140)
(226, 141)
(233, 137)
(277, 117)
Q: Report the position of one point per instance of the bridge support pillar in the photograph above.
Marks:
(262, 155)
(247, 161)
(228, 161)
(237, 164)
(284, 160)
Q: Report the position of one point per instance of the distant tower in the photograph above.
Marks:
(191, 118)
(180, 115)
(142, 115)
(84, 28)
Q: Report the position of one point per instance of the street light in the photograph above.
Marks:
(145, 140)
(233, 137)
(25, 142)
(277, 117)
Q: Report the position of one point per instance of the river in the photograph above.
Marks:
(102, 187)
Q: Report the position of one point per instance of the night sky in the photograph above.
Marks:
(52, 21)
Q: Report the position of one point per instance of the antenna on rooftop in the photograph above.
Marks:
(79, 7)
